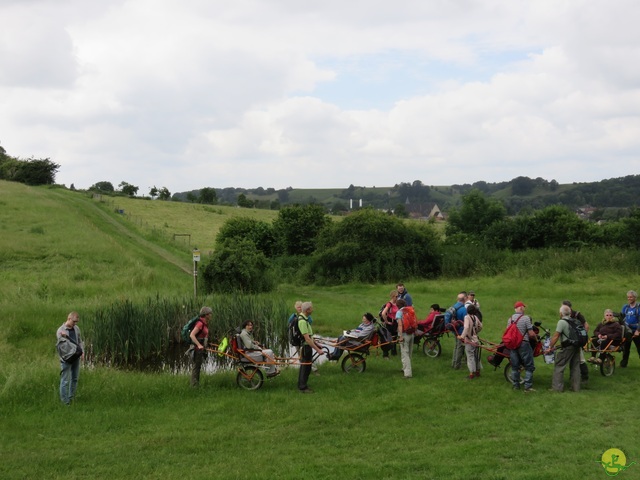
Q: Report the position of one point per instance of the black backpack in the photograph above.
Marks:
(578, 336)
(295, 335)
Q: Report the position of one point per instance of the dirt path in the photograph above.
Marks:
(123, 230)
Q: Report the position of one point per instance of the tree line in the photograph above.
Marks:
(304, 245)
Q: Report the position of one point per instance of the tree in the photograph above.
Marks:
(164, 194)
(238, 266)
(128, 189)
(244, 202)
(153, 192)
(522, 186)
(259, 233)
(299, 226)
(191, 197)
(105, 187)
(476, 214)
(371, 246)
(208, 196)
(401, 211)
(35, 171)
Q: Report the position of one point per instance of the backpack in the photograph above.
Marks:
(385, 340)
(384, 305)
(295, 335)
(512, 336)
(409, 322)
(577, 334)
(185, 333)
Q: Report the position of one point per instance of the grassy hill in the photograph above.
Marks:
(63, 250)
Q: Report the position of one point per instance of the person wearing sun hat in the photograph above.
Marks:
(523, 356)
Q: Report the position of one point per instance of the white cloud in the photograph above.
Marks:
(188, 94)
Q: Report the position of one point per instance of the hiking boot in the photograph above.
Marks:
(529, 390)
(470, 377)
(306, 390)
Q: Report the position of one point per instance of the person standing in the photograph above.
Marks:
(70, 350)
(471, 300)
(306, 350)
(454, 320)
(523, 356)
(405, 339)
(568, 354)
(388, 317)
(631, 313)
(469, 337)
(199, 340)
(404, 295)
(584, 368)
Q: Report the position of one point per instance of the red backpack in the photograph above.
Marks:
(512, 337)
(409, 322)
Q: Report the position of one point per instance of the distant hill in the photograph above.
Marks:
(517, 194)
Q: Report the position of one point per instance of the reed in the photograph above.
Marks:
(129, 332)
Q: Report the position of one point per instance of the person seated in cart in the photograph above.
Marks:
(354, 337)
(426, 324)
(255, 351)
(607, 335)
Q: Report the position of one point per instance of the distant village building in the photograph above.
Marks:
(585, 212)
(424, 211)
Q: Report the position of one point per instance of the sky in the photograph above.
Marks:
(186, 94)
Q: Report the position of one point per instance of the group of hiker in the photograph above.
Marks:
(463, 319)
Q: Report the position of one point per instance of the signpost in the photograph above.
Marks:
(196, 259)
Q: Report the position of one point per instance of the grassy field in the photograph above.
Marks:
(62, 251)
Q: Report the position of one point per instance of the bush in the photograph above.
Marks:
(238, 266)
(258, 232)
(371, 246)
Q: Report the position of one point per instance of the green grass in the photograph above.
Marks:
(127, 424)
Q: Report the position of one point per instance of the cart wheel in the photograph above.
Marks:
(608, 365)
(250, 378)
(354, 362)
(431, 347)
(507, 373)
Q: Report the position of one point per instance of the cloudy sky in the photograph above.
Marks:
(321, 94)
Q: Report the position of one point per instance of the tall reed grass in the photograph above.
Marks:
(129, 332)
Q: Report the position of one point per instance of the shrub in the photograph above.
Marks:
(238, 266)
(258, 232)
(371, 246)
(298, 228)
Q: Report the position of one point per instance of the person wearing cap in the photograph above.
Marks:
(471, 300)
(568, 355)
(354, 337)
(199, 339)
(523, 356)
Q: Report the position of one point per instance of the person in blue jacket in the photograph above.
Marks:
(454, 320)
(631, 313)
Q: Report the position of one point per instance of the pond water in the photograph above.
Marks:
(178, 360)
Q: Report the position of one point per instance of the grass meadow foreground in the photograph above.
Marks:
(59, 253)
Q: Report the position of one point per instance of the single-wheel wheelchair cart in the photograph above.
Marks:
(355, 354)
(604, 358)
(251, 374)
(498, 352)
(430, 337)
